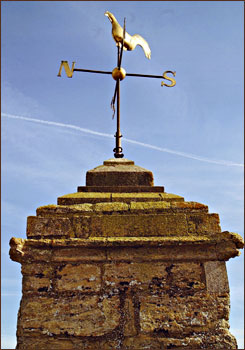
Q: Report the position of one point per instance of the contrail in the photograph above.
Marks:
(69, 126)
(92, 132)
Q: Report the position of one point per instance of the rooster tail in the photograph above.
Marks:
(138, 40)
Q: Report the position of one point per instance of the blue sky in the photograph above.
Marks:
(190, 136)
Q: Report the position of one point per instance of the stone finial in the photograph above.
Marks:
(119, 172)
(119, 175)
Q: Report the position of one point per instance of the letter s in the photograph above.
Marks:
(168, 78)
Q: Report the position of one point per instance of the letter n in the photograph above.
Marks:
(69, 72)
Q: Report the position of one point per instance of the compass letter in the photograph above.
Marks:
(69, 72)
(173, 82)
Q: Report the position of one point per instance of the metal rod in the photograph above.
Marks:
(127, 74)
(118, 149)
(121, 53)
(113, 101)
(118, 56)
(90, 71)
(144, 75)
(118, 138)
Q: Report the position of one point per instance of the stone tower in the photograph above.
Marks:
(121, 264)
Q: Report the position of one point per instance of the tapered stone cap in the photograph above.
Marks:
(121, 175)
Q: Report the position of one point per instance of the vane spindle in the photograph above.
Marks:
(118, 149)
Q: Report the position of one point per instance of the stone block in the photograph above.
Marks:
(35, 284)
(149, 207)
(133, 275)
(51, 210)
(216, 277)
(221, 340)
(36, 254)
(78, 277)
(81, 225)
(135, 197)
(79, 254)
(141, 342)
(79, 316)
(144, 342)
(84, 198)
(44, 343)
(170, 197)
(48, 342)
(78, 226)
(126, 189)
(189, 207)
(119, 172)
(203, 223)
(139, 225)
(168, 252)
(37, 269)
(186, 278)
(113, 207)
(182, 315)
(111, 343)
(49, 226)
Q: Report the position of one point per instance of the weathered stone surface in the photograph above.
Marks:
(139, 225)
(139, 249)
(185, 278)
(119, 172)
(82, 277)
(84, 198)
(81, 254)
(129, 322)
(97, 197)
(135, 275)
(217, 341)
(37, 269)
(181, 279)
(126, 189)
(77, 316)
(35, 284)
(49, 342)
(216, 277)
(154, 224)
(182, 315)
(38, 226)
(189, 207)
(165, 252)
(203, 223)
(51, 210)
(141, 342)
(115, 207)
(145, 197)
(149, 207)
(161, 343)
(81, 226)
(43, 343)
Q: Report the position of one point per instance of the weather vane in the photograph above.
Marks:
(124, 41)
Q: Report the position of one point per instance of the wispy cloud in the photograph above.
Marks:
(146, 145)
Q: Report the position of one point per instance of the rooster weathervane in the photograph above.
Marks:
(124, 41)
